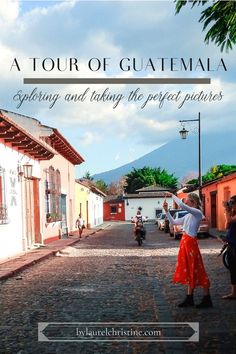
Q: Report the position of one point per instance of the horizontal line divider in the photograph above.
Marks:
(116, 81)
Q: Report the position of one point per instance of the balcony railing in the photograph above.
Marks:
(3, 215)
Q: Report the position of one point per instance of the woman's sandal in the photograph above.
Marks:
(229, 297)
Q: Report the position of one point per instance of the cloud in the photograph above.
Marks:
(9, 11)
(114, 30)
(158, 126)
(117, 157)
(89, 138)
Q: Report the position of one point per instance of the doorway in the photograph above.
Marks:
(32, 213)
(213, 209)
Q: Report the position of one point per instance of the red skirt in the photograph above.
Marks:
(189, 268)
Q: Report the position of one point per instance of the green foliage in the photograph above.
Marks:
(100, 184)
(88, 176)
(148, 176)
(217, 172)
(214, 172)
(193, 181)
(181, 3)
(221, 16)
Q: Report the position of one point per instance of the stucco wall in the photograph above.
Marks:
(67, 172)
(95, 209)
(149, 206)
(12, 234)
(120, 211)
(81, 200)
(224, 188)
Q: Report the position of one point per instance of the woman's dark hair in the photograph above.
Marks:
(233, 198)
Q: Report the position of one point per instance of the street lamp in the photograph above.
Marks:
(184, 133)
(27, 170)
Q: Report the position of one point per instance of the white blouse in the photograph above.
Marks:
(190, 221)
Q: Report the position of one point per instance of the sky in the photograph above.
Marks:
(105, 136)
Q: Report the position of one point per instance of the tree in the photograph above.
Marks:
(192, 175)
(214, 172)
(100, 184)
(218, 171)
(88, 176)
(117, 188)
(147, 176)
(221, 16)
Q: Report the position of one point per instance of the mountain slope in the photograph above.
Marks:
(181, 156)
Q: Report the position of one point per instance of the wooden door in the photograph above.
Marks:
(213, 209)
(36, 205)
(29, 212)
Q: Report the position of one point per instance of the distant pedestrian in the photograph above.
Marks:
(139, 217)
(80, 225)
(138, 220)
(230, 216)
(190, 270)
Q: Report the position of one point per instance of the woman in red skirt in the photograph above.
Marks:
(190, 270)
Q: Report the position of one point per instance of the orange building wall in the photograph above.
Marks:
(225, 188)
(182, 195)
(225, 191)
(206, 191)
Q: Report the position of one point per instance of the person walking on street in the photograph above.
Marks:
(190, 269)
(230, 216)
(80, 225)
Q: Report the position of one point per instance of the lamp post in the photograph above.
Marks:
(28, 169)
(184, 133)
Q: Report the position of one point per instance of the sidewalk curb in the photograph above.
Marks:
(22, 267)
(34, 258)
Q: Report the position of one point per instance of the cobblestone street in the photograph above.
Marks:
(106, 277)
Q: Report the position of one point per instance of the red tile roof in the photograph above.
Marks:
(61, 145)
(90, 185)
(11, 134)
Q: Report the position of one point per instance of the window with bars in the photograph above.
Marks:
(113, 209)
(3, 206)
(53, 194)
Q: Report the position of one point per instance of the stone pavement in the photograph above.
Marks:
(16, 264)
(108, 278)
(216, 233)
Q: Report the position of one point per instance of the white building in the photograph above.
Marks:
(150, 199)
(96, 206)
(54, 195)
(20, 155)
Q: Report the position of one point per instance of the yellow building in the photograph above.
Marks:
(89, 203)
(82, 201)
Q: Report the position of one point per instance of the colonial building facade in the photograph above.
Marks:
(215, 193)
(41, 207)
(150, 199)
(19, 188)
(114, 208)
(89, 203)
